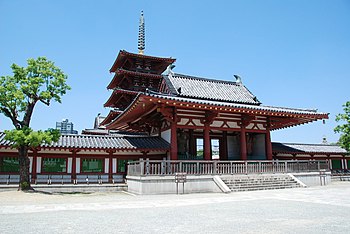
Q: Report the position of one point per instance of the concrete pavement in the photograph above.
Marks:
(303, 210)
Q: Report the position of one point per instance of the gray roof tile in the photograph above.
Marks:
(118, 142)
(238, 105)
(209, 89)
(307, 148)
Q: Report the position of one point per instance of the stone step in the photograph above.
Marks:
(286, 178)
(269, 183)
(265, 182)
(257, 179)
(263, 186)
(257, 189)
(273, 186)
(237, 181)
(258, 182)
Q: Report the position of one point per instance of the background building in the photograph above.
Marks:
(66, 127)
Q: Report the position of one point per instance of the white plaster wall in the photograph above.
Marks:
(233, 125)
(69, 165)
(38, 165)
(30, 164)
(106, 165)
(261, 126)
(166, 135)
(114, 169)
(77, 166)
(250, 126)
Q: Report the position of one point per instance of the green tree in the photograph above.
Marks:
(41, 81)
(344, 129)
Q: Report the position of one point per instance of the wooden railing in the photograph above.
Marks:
(167, 167)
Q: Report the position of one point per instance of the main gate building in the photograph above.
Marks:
(157, 113)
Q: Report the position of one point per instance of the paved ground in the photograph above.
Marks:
(304, 210)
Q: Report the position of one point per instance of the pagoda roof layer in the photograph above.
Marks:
(120, 72)
(94, 142)
(209, 89)
(111, 115)
(112, 100)
(146, 102)
(123, 55)
(307, 148)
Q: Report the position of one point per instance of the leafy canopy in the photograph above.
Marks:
(344, 129)
(41, 81)
(29, 138)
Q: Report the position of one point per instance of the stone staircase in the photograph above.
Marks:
(240, 183)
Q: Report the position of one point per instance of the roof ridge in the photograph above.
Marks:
(322, 144)
(291, 108)
(205, 78)
(148, 56)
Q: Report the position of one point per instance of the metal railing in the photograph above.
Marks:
(170, 167)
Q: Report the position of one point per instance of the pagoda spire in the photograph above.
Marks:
(141, 40)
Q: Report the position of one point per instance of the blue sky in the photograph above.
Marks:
(288, 53)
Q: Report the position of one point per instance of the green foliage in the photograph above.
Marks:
(344, 129)
(41, 81)
(28, 137)
(24, 186)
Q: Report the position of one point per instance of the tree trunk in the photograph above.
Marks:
(24, 177)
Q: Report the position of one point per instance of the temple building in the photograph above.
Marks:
(157, 113)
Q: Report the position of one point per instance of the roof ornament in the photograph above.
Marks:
(141, 40)
(324, 140)
(169, 69)
(238, 79)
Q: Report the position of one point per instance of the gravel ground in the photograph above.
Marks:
(303, 210)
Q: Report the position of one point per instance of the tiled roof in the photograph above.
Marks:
(209, 89)
(286, 110)
(307, 148)
(124, 54)
(118, 142)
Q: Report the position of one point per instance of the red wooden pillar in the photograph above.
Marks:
(74, 165)
(243, 143)
(35, 155)
(206, 142)
(268, 145)
(173, 150)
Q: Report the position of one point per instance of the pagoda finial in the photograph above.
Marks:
(141, 40)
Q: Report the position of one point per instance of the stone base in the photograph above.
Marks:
(313, 178)
(166, 184)
(71, 188)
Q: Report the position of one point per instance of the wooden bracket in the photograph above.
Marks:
(209, 117)
(168, 113)
(246, 119)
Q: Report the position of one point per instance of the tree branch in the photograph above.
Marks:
(28, 114)
(11, 115)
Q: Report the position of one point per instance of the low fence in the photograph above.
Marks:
(170, 167)
(64, 179)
